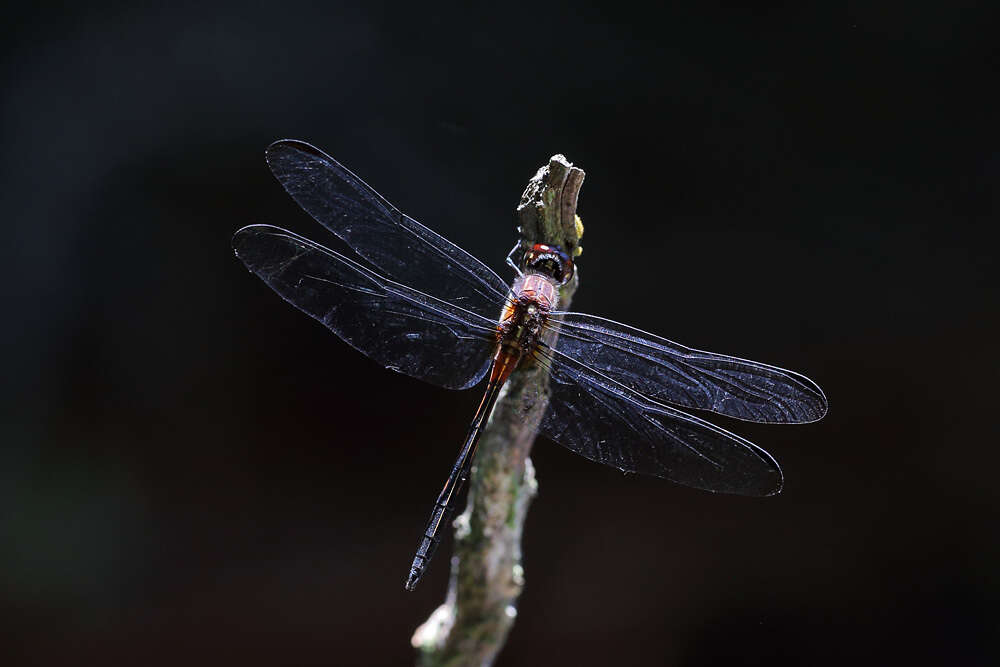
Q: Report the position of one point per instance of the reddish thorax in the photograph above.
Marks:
(532, 297)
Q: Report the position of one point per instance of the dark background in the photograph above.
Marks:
(195, 473)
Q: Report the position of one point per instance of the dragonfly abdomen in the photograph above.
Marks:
(444, 507)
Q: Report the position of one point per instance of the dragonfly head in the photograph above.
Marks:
(551, 261)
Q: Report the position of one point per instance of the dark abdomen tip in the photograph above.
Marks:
(415, 574)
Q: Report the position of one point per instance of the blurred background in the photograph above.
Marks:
(192, 471)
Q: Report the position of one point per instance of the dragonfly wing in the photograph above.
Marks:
(395, 244)
(596, 417)
(401, 328)
(667, 372)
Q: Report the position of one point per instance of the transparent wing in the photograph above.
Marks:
(596, 417)
(667, 372)
(401, 328)
(395, 244)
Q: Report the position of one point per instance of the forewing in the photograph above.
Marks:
(399, 327)
(398, 246)
(667, 372)
(598, 418)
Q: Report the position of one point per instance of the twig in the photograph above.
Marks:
(472, 625)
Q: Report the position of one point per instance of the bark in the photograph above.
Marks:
(479, 611)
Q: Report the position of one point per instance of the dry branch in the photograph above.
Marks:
(472, 625)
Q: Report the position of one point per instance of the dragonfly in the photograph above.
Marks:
(419, 305)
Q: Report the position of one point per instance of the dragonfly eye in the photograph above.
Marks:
(551, 261)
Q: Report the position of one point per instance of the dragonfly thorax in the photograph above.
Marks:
(536, 289)
(532, 297)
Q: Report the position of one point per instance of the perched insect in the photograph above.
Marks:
(424, 307)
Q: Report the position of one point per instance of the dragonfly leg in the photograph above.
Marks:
(513, 262)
